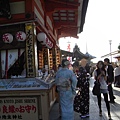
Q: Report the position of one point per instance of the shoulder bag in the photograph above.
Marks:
(96, 88)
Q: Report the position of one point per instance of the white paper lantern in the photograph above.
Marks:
(49, 44)
(42, 37)
(7, 38)
(20, 36)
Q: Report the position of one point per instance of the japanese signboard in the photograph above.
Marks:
(30, 50)
(18, 108)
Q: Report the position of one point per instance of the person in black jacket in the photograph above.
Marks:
(100, 75)
(110, 79)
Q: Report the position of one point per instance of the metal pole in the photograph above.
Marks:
(110, 41)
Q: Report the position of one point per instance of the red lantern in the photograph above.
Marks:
(7, 38)
(42, 37)
(20, 36)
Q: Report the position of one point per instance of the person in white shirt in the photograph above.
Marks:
(100, 75)
(117, 76)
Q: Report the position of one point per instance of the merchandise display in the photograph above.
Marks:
(32, 92)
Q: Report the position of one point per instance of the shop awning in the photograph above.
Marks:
(68, 16)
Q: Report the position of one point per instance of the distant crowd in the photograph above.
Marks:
(72, 86)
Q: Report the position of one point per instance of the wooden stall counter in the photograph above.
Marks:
(26, 98)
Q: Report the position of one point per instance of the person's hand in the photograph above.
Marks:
(99, 76)
(109, 83)
(103, 73)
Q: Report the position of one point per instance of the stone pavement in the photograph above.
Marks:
(94, 111)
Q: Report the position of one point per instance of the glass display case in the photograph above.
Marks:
(20, 90)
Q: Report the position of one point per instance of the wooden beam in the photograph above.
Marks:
(15, 18)
(28, 6)
(67, 31)
(16, 0)
(58, 5)
(73, 3)
(59, 24)
(68, 35)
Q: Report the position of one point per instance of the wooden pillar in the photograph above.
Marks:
(31, 50)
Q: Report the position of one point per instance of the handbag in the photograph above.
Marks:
(96, 88)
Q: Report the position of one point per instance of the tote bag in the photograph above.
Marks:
(96, 88)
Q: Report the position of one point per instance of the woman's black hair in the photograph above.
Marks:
(107, 60)
(99, 69)
(65, 62)
(59, 65)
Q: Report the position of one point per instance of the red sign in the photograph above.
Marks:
(68, 47)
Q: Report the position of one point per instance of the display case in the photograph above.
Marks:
(29, 98)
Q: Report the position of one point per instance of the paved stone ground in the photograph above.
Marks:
(94, 111)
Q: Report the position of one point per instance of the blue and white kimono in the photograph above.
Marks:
(66, 94)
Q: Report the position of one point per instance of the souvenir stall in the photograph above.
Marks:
(27, 89)
(30, 54)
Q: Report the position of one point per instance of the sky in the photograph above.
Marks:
(102, 23)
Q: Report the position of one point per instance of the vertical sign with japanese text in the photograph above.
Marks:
(31, 50)
(18, 108)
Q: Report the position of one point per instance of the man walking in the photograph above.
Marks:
(110, 78)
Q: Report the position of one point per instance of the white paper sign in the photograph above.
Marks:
(18, 108)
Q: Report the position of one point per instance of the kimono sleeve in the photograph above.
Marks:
(73, 83)
(56, 77)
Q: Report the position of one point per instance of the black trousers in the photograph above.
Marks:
(106, 101)
(110, 89)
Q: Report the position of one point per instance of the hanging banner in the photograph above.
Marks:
(19, 108)
(68, 47)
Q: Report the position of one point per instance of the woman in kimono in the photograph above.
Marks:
(81, 101)
(66, 82)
